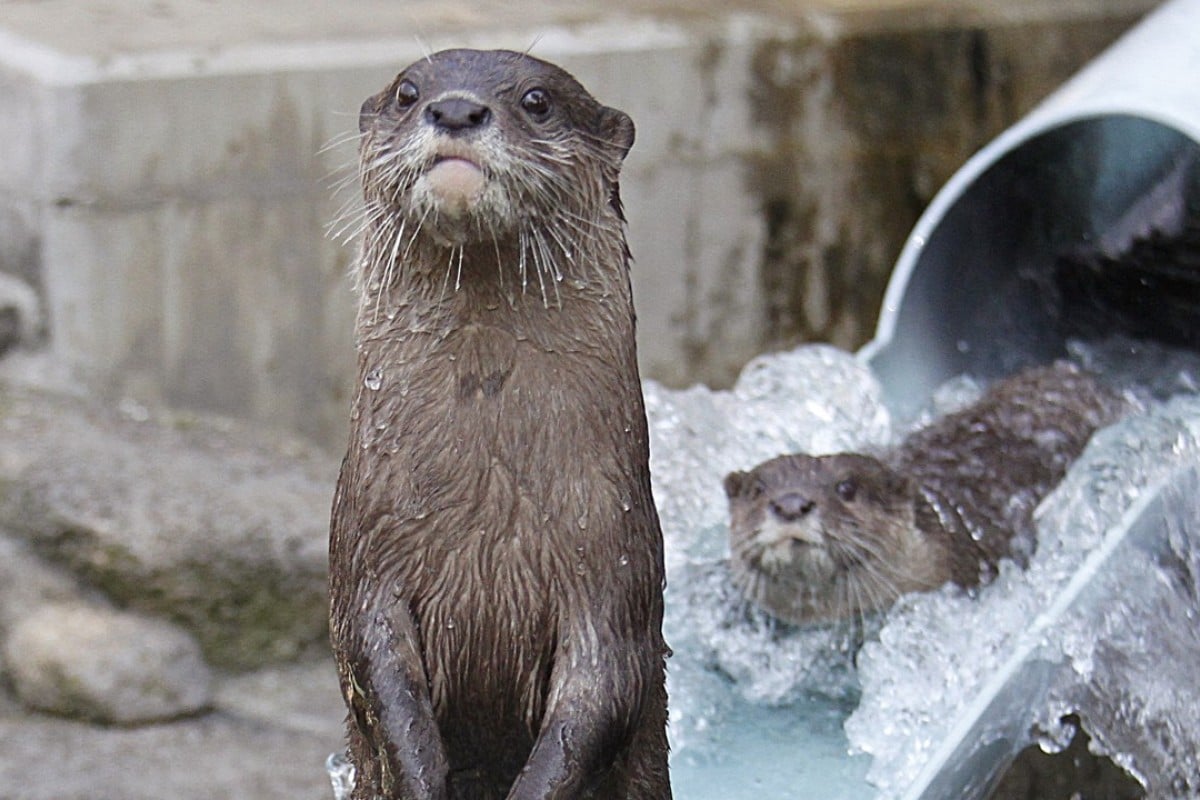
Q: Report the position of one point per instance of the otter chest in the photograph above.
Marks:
(471, 441)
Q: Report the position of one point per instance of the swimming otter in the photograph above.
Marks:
(827, 537)
(496, 564)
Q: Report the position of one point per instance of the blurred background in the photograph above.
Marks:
(168, 180)
(175, 310)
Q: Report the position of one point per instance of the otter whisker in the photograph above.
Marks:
(536, 253)
(877, 592)
(390, 268)
(528, 50)
(420, 224)
(376, 244)
(341, 139)
(348, 224)
(552, 268)
(496, 248)
(562, 246)
(521, 266)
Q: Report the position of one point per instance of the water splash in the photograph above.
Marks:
(962, 640)
(757, 707)
(341, 775)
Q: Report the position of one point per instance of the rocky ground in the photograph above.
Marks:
(162, 605)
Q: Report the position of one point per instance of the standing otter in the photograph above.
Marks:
(829, 537)
(496, 564)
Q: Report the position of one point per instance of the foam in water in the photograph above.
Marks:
(937, 650)
(756, 706)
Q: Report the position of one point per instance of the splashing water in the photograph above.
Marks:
(756, 706)
(937, 651)
(765, 710)
(341, 775)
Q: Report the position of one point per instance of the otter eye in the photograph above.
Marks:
(536, 103)
(758, 489)
(846, 489)
(407, 94)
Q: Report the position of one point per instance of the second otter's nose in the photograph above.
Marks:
(791, 507)
(457, 113)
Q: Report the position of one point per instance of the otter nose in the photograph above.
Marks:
(791, 507)
(457, 113)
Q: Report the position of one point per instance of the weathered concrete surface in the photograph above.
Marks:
(165, 188)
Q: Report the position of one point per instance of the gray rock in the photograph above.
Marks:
(302, 697)
(205, 758)
(107, 666)
(212, 524)
(27, 582)
(20, 313)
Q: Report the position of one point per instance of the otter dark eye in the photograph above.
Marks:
(536, 103)
(758, 489)
(407, 94)
(846, 489)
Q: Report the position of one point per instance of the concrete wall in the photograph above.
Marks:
(170, 204)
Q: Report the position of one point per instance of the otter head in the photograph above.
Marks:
(827, 537)
(469, 146)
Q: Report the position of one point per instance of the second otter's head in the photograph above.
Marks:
(828, 537)
(470, 146)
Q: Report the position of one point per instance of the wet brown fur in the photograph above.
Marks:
(829, 537)
(496, 565)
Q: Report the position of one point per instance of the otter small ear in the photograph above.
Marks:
(734, 482)
(617, 128)
(368, 112)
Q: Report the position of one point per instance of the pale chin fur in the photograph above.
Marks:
(778, 553)
(455, 221)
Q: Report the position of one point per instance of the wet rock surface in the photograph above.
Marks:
(162, 606)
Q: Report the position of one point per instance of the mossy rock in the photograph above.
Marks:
(213, 524)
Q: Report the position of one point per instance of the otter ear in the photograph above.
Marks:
(617, 129)
(734, 483)
(369, 111)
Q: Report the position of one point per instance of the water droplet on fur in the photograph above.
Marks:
(450, 624)
(373, 379)
(623, 560)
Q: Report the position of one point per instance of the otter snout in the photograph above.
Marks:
(454, 114)
(792, 506)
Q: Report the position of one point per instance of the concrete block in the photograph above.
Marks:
(167, 184)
